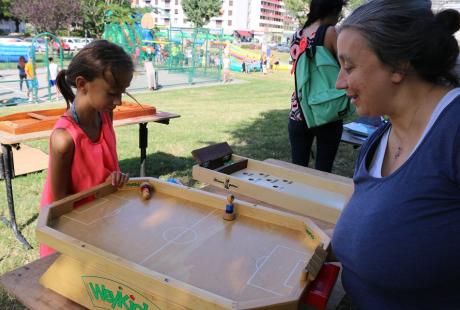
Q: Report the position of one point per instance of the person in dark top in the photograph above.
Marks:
(22, 72)
(398, 237)
(324, 13)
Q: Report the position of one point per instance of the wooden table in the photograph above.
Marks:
(10, 141)
(23, 282)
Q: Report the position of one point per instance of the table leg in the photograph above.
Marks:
(7, 167)
(143, 135)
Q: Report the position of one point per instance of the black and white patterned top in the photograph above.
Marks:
(298, 43)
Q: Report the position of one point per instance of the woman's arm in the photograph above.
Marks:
(62, 150)
(330, 40)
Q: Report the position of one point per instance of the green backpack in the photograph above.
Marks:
(316, 72)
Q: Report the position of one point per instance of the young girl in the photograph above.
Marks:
(82, 145)
(22, 72)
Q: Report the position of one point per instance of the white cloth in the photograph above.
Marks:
(375, 169)
(53, 71)
(150, 73)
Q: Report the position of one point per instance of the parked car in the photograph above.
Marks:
(40, 45)
(13, 40)
(283, 48)
(87, 40)
(75, 44)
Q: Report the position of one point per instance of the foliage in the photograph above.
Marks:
(200, 12)
(299, 8)
(5, 9)
(96, 13)
(47, 15)
(353, 4)
(5, 12)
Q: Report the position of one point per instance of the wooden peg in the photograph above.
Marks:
(146, 190)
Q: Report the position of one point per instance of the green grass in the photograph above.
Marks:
(251, 116)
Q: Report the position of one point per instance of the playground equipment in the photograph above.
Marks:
(11, 51)
(195, 52)
(239, 55)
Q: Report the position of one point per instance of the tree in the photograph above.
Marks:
(200, 12)
(5, 12)
(47, 15)
(353, 4)
(96, 13)
(299, 8)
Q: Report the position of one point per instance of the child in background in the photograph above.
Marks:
(32, 85)
(82, 145)
(22, 72)
(53, 70)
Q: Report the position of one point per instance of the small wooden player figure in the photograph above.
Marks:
(146, 190)
(229, 212)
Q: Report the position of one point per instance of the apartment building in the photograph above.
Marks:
(264, 18)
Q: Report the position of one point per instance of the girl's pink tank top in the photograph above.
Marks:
(92, 161)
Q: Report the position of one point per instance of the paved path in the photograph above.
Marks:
(10, 91)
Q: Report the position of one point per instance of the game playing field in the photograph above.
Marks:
(180, 233)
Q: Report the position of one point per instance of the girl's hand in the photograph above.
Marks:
(117, 178)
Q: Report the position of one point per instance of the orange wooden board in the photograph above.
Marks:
(256, 260)
(28, 122)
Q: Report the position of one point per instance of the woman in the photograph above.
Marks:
(324, 14)
(398, 238)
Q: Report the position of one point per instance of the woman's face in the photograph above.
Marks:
(368, 82)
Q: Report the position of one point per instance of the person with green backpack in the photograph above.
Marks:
(317, 107)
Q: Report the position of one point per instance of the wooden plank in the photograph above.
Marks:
(23, 163)
(23, 284)
(233, 166)
(213, 156)
(159, 116)
(38, 116)
(43, 120)
(312, 194)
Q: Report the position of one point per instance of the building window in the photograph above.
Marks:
(230, 13)
(176, 2)
(230, 3)
(229, 22)
(176, 11)
(218, 23)
(156, 2)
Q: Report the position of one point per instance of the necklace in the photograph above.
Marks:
(398, 153)
(73, 110)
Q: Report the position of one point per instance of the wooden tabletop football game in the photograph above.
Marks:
(315, 194)
(156, 245)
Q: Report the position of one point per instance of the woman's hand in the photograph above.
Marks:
(117, 178)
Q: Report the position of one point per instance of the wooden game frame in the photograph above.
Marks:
(217, 163)
(40, 120)
(79, 257)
